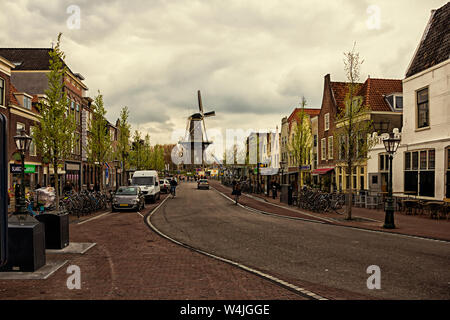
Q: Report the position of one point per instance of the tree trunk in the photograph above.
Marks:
(349, 193)
(56, 178)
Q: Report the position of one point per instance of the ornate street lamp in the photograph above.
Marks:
(23, 142)
(391, 144)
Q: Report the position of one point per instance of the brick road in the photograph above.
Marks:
(405, 224)
(132, 262)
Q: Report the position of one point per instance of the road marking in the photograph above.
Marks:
(139, 214)
(282, 283)
(94, 218)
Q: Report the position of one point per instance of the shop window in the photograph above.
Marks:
(419, 177)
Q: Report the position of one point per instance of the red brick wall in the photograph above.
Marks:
(328, 106)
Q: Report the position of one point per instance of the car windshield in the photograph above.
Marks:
(143, 181)
(127, 191)
(203, 180)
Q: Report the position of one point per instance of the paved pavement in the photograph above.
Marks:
(324, 258)
(132, 262)
(421, 226)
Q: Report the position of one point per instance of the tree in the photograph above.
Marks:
(300, 143)
(353, 126)
(99, 148)
(54, 136)
(137, 150)
(123, 143)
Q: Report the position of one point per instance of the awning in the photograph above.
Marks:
(268, 171)
(322, 170)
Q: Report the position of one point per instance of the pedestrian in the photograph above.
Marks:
(236, 191)
(274, 189)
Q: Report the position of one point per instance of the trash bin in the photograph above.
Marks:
(56, 229)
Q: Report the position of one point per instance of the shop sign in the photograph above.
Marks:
(17, 168)
(305, 168)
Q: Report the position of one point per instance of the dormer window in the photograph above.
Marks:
(395, 100)
(26, 102)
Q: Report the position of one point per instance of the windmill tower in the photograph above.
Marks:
(196, 140)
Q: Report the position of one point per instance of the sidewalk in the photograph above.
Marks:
(129, 261)
(364, 218)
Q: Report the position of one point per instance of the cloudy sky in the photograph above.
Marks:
(252, 60)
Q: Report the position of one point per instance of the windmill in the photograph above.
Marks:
(195, 143)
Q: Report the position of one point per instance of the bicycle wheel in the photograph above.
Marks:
(339, 206)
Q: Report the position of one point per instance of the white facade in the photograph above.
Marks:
(424, 150)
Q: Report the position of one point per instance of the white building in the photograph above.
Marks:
(422, 162)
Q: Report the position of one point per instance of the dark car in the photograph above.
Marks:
(202, 184)
(128, 198)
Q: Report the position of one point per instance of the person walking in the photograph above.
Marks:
(236, 191)
(274, 189)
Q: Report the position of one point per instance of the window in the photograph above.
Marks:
(323, 143)
(19, 128)
(398, 102)
(32, 144)
(330, 147)
(315, 140)
(423, 115)
(27, 103)
(2, 92)
(383, 162)
(327, 121)
(395, 101)
(419, 175)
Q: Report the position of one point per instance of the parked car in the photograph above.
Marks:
(202, 184)
(128, 198)
(148, 181)
(164, 185)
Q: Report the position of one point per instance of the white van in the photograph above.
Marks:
(148, 181)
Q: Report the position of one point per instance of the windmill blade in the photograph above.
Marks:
(209, 114)
(204, 129)
(200, 106)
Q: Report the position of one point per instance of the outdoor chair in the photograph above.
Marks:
(371, 202)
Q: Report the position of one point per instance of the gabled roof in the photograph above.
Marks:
(434, 47)
(295, 114)
(339, 90)
(374, 90)
(28, 58)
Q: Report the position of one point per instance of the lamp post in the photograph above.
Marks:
(23, 144)
(391, 144)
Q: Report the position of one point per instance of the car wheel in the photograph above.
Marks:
(159, 195)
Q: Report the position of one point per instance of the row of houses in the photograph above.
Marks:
(416, 108)
(23, 82)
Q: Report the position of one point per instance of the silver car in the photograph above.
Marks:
(128, 198)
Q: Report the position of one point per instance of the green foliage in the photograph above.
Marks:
(123, 141)
(99, 149)
(54, 136)
(301, 142)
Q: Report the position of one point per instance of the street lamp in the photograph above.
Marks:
(391, 144)
(23, 145)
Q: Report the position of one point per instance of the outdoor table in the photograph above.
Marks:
(409, 205)
(434, 207)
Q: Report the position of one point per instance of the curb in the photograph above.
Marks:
(334, 222)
